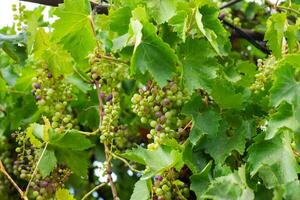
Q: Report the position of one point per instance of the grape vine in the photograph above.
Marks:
(160, 100)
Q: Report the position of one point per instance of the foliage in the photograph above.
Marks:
(153, 100)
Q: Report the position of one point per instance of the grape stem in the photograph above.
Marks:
(188, 125)
(36, 168)
(3, 170)
(106, 148)
(87, 133)
(108, 172)
(289, 9)
(110, 58)
(229, 3)
(93, 190)
(126, 162)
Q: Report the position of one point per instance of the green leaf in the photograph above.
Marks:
(155, 56)
(77, 161)
(193, 106)
(292, 190)
(179, 23)
(198, 68)
(63, 194)
(193, 158)
(221, 145)
(60, 62)
(72, 140)
(225, 96)
(162, 10)
(141, 190)
(232, 186)
(74, 28)
(24, 82)
(285, 87)
(206, 123)
(32, 138)
(210, 26)
(200, 181)
(275, 32)
(275, 153)
(164, 157)
(119, 20)
(48, 163)
(14, 46)
(283, 118)
(291, 35)
(41, 43)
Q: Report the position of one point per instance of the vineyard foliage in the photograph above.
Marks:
(151, 99)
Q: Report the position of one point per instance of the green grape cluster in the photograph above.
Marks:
(53, 95)
(160, 108)
(26, 159)
(110, 121)
(108, 75)
(168, 187)
(45, 188)
(265, 70)
(19, 15)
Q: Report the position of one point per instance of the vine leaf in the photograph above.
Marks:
(77, 161)
(275, 32)
(163, 158)
(232, 186)
(32, 138)
(225, 95)
(141, 190)
(48, 163)
(200, 181)
(179, 22)
(59, 61)
(209, 25)
(71, 140)
(285, 87)
(198, 68)
(74, 28)
(154, 55)
(292, 190)
(283, 118)
(206, 123)
(162, 11)
(276, 154)
(221, 145)
(119, 20)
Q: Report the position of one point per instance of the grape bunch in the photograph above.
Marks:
(19, 15)
(24, 164)
(160, 108)
(265, 70)
(168, 187)
(53, 95)
(110, 121)
(108, 75)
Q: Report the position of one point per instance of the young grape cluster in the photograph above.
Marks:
(53, 95)
(19, 15)
(160, 108)
(169, 187)
(108, 76)
(25, 163)
(265, 70)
